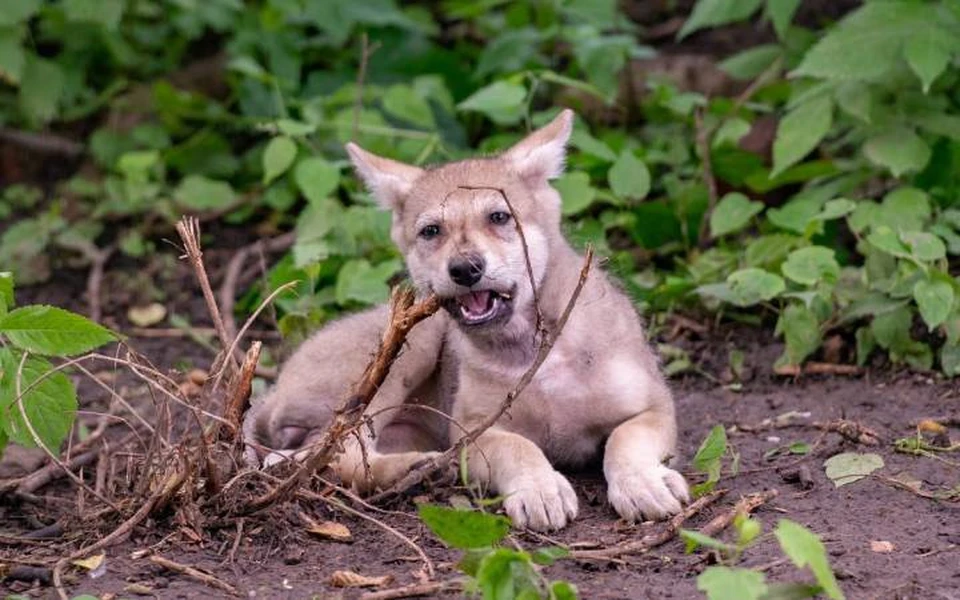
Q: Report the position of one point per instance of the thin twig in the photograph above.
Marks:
(194, 573)
(98, 262)
(46, 143)
(366, 51)
(428, 467)
(744, 506)
(703, 145)
(239, 399)
(415, 590)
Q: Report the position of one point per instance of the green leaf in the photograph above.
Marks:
(359, 281)
(710, 13)
(201, 193)
(711, 451)
(277, 157)
(781, 14)
(856, 99)
(750, 63)
(501, 101)
(12, 57)
(629, 177)
(509, 52)
(891, 329)
(53, 331)
(927, 58)
(695, 539)
(562, 590)
(49, 401)
(317, 179)
(904, 209)
(752, 286)
(464, 529)
(507, 574)
(848, 467)
(732, 213)
(805, 548)
(575, 191)
(728, 583)
(812, 265)
(41, 87)
(7, 300)
(924, 246)
(934, 299)
(900, 150)
(18, 11)
(950, 359)
(800, 131)
(403, 102)
(295, 128)
(885, 239)
(801, 332)
(834, 209)
(104, 12)
(588, 144)
(548, 556)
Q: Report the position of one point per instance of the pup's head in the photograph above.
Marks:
(456, 224)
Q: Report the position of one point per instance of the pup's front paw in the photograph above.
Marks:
(385, 469)
(542, 502)
(652, 492)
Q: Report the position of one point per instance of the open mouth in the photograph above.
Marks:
(480, 307)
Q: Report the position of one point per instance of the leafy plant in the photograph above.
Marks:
(495, 572)
(38, 402)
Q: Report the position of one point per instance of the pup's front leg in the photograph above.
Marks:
(639, 485)
(535, 495)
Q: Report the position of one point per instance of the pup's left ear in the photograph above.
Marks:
(541, 155)
(388, 180)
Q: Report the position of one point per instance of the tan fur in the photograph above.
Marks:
(600, 386)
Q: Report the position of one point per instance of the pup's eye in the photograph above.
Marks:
(429, 232)
(499, 217)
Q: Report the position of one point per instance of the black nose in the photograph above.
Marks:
(466, 270)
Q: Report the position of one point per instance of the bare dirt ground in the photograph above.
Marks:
(272, 556)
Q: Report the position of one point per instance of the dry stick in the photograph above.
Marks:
(98, 260)
(231, 277)
(703, 144)
(239, 399)
(415, 590)
(403, 317)
(42, 142)
(817, 368)
(418, 474)
(366, 51)
(189, 230)
(194, 573)
(851, 430)
(744, 506)
(653, 540)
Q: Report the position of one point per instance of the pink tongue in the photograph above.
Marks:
(475, 302)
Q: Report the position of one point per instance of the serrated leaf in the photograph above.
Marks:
(575, 191)
(49, 401)
(801, 332)
(501, 101)
(812, 265)
(752, 286)
(805, 549)
(728, 583)
(629, 177)
(201, 193)
(900, 150)
(52, 331)
(732, 213)
(848, 467)
(934, 299)
(927, 58)
(277, 157)
(709, 13)
(317, 179)
(800, 131)
(464, 529)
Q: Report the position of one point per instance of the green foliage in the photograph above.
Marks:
(495, 572)
(37, 401)
(709, 459)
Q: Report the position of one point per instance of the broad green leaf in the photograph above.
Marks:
(359, 281)
(695, 539)
(12, 57)
(49, 401)
(18, 11)
(509, 52)
(812, 265)
(848, 467)
(924, 246)
(712, 449)
(950, 360)
(834, 209)
(588, 144)
(104, 12)
(505, 573)
(904, 209)
(575, 191)
(52, 331)
(885, 239)
(865, 344)
(900, 150)
(317, 179)
(629, 177)
(732, 213)
(752, 286)
(729, 583)
(800, 131)
(562, 590)
(805, 549)
(549, 555)
(892, 329)
(934, 299)
(856, 99)
(6, 292)
(927, 58)
(277, 157)
(464, 529)
(501, 101)
(295, 128)
(403, 102)
(781, 14)
(769, 251)
(41, 87)
(709, 13)
(750, 63)
(801, 332)
(201, 193)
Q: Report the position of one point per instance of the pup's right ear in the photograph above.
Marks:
(388, 180)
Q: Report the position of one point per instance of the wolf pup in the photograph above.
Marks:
(457, 227)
